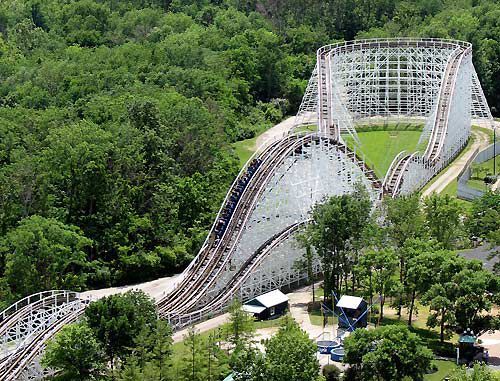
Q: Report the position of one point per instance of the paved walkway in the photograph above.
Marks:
(279, 130)
(491, 342)
(204, 326)
(451, 173)
(155, 288)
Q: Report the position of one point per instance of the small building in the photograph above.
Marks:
(467, 349)
(351, 311)
(267, 306)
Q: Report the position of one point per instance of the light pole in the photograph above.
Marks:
(494, 152)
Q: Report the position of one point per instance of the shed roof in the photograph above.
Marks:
(349, 302)
(253, 309)
(269, 299)
(467, 339)
(229, 378)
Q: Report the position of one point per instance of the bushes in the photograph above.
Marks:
(331, 373)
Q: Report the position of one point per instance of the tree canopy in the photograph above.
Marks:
(117, 117)
(387, 353)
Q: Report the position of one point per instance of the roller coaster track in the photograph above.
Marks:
(182, 306)
(35, 320)
(230, 290)
(196, 283)
(26, 326)
(395, 175)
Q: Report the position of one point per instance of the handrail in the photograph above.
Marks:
(383, 42)
(394, 162)
(6, 312)
(403, 169)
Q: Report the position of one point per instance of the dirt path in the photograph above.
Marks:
(481, 141)
(204, 326)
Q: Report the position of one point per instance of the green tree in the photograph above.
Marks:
(307, 261)
(150, 356)
(241, 326)
(162, 348)
(249, 364)
(76, 351)
(338, 225)
(387, 353)
(378, 266)
(462, 294)
(484, 218)
(44, 254)
(194, 366)
(423, 266)
(442, 217)
(291, 355)
(406, 222)
(478, 373)
(118, 320)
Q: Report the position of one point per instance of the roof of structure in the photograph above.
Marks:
(269, 299)
(252, 309)
(349, 302)
(467, 339)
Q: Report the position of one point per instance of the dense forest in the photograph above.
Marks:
(117, 117)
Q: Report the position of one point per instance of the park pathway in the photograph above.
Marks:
(450, 174)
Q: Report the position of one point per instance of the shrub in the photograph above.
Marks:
(331, 373)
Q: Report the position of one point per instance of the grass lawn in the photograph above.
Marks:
(244, 149)
(479, 171)
(451, 190)
(316, 318)
(444, 369)
(380, 147)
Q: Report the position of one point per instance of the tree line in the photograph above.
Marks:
(116, 124)
(117, 118)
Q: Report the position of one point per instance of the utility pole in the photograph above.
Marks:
(494, 151)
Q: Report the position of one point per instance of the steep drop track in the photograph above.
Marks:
(184, 305)
(395, 174)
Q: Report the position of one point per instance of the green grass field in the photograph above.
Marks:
(479, 171)
(244, 149)
(444, 369)
(380, 147)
